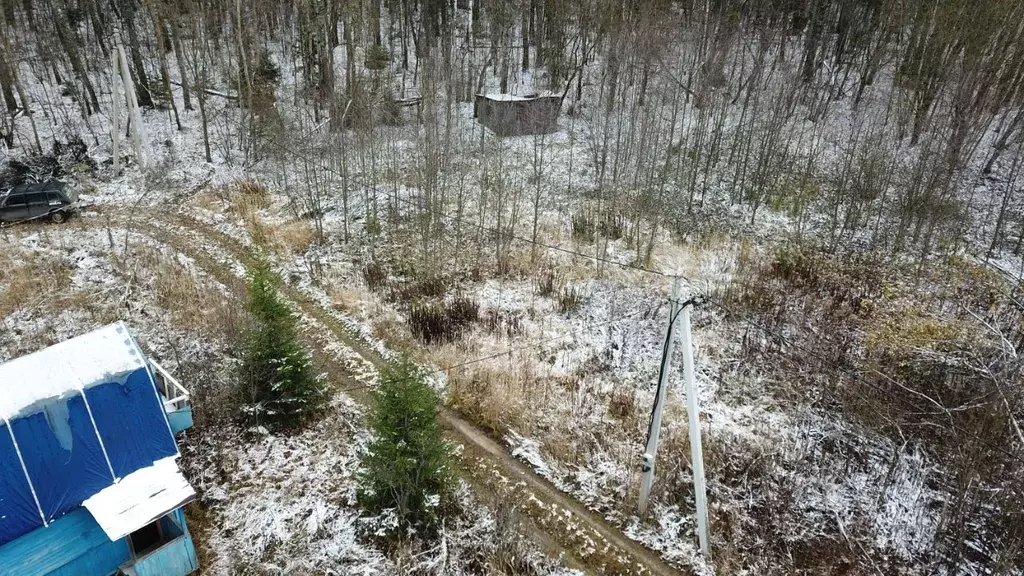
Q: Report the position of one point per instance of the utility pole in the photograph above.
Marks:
(659, 400)
(678, 310)
(696, 451)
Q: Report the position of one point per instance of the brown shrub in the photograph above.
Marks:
(613, 226)
(375, 275)
(433, 287)
(394, 333)
(548, 284)
(251, 194)
(504, 323)
(570, 299)
(622, 404)
(463, 310)
(436, 322)
(583, 227)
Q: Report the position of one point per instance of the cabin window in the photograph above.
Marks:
(146, 538)
(154, 535)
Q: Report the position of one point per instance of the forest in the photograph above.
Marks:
(839, 180)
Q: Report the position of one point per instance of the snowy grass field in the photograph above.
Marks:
(560, 363)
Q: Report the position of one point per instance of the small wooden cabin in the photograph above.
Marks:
(508, 115)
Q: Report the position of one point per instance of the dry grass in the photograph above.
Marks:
(250, 194)
(905, 333)
(291, 237)
(395, 333)
(346, 299)
(32, 281)
(496, 399)
(246, 198)
(194, 304)
(629, 415)
(201, 523)
(241, 197)
(518, 262)
(257, 229)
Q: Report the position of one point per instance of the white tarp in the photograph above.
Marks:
(140, 498)
(67, 368)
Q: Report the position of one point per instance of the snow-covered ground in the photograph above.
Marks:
(568, 392)
(286, 505)
(269, 503)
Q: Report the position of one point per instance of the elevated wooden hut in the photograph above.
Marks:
(508, 115)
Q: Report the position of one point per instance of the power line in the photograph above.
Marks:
(510, 351)
(724, 307)
(843, 370)
(538, 343)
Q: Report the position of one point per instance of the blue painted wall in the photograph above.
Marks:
(74, 545)
(180, 419)
(178, 557)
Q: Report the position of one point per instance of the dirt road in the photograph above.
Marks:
(559, 523)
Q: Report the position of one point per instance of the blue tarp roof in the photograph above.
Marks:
(75, 418)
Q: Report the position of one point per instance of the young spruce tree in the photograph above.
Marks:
(407, 466)
(280, 386)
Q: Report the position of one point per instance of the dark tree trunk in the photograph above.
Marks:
(375, 21)
(350, 58)
(333, 32)
(30, 14)
(72, 48)
(142, 82)
(1003, 141)
(542, 10)
(525, 25)
(165, 76)
(478, 6)
(98, 27)
(7, 86)
(180, 57)
(9, 16)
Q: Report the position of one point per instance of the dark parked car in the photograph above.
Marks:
(52, 199)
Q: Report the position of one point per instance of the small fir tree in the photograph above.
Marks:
(280, 387)
(406, 468)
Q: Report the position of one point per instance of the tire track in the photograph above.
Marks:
(556, 521)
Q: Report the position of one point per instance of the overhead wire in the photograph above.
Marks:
(838, 368)
(706, 297)
(513, 350)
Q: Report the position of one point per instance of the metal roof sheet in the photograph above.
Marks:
(140, 498)
(67, 368)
